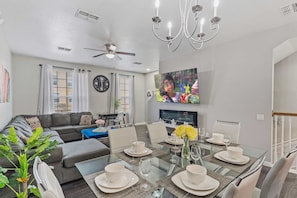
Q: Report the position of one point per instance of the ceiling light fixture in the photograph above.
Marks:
(196, 36)
(110, 55)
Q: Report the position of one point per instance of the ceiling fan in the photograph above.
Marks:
(110, 51)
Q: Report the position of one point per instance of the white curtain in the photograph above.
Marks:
(45, 98)
(131, 99)
(80, 92)
(114, 91)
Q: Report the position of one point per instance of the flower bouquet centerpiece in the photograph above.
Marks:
(100, 124)
(186, 132)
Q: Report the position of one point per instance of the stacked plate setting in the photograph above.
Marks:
(115, 178)
(202, 188)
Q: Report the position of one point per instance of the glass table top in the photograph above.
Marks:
(162, 166)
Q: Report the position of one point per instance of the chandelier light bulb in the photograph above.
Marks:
(157, 5)
(215, 4)
(169, 28)
(202, 21)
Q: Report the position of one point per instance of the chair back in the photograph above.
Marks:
(46, 180)
(274, 180)
(121, 138)
(157, 132)
(228, 128)
(244, 185)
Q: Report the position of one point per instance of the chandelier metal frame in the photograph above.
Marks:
(195, 38)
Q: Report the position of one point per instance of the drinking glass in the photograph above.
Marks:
(201, 133)
(195, 152)
(227, 141)
(145, 168)
(174, 139)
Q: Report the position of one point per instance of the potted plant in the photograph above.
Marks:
(117, 103)
(20, 181)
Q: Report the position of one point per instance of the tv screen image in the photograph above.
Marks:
(178, 87)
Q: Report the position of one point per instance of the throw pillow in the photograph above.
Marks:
(33, 122)
(85, 120)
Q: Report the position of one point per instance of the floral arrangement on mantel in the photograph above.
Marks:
(186, 132)
(100, 122)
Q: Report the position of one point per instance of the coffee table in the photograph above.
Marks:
(88, 133)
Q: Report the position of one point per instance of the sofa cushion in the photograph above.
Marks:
(85, 120)
(46, 120)
(63, 129)
(82, 150)
(33, 122)
(75, 117)
(54, 136)
(61, 119)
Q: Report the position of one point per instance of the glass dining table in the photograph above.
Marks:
(166, 166)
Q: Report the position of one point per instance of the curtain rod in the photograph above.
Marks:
(122, 74)
(67, 68)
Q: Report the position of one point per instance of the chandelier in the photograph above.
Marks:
(198, 35)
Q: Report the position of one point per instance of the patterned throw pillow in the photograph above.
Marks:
(85, 120)
(33, 122)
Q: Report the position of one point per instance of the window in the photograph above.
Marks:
(62, 89)
(124, 93)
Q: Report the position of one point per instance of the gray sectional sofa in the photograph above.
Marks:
(65, 129)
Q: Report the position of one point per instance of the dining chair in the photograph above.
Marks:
(244, 185)
(121, 138)
(157, 132)
(46, 180)
(274, 180)
(228, 128)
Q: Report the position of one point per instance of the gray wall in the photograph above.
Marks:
(5, 60)
(26, 81)
(235, 83)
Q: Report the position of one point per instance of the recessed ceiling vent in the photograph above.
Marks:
(289, 9)
(88, 16)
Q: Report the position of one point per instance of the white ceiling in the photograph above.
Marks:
(38, 27)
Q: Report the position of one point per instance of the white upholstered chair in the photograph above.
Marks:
(274, 180)
(244, 185)
(157, 132)
(121, 138)
(228, 128)
(46, 180)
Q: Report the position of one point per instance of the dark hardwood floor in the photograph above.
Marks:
(79, 188)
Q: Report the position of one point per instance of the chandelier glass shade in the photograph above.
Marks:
(197, 33)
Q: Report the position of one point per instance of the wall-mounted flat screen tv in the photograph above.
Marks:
(178, 87)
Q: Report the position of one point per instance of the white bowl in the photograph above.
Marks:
(196, 174)
(114, 172)
(234, 152)
(218, 137)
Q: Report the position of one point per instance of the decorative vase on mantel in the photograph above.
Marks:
(185, 154)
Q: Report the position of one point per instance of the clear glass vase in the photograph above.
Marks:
(185, 154)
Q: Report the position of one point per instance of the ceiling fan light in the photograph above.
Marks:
(111, 56)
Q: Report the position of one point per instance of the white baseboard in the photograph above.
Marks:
(140, 123)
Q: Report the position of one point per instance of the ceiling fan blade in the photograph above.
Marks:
(125, 53)
(118, 57)
(99, 55)
(100, 50)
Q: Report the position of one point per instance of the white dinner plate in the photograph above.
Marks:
(212, 141)
(223, 156)
(177, 180)
(120, 183)
(208, 184)
(133, 180)
(130, 152)
(177, 142)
